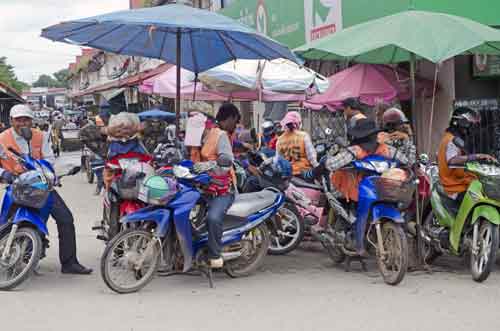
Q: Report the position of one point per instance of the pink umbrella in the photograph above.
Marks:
(164, 84)
(371, 83)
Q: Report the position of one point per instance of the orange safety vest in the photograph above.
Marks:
(453, 180)
(292, 147)
(209, 153)
(7, 140)
(347, 181)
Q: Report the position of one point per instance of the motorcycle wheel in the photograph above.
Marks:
(394, 263)
(111, 217)
(24, 257)
(119, 262)
(429, 253)
(254, 247)
(482, 263)
(292, 230)
(88, 171)
(334, 252)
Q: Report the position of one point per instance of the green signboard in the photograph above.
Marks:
(291, 22)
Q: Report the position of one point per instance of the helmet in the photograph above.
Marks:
(464, 117)
(132, 176)
(157, 190)
(31, 189)
(267, 128)
(393, 117)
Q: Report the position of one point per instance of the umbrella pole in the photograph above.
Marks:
(178, 84)
(418, 220)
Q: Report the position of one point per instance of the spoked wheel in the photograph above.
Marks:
(290, 230)
(130, 261)
(22, 259)
(394, 262)
(482, 260)
(253, 248)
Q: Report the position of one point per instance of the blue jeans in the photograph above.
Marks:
(217, 208)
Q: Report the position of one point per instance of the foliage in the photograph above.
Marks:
(8, 76)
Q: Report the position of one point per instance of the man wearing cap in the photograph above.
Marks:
(296, 146)
(364, 143)
(21, 117)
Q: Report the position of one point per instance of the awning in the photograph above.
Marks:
(110, 94)
(8, 93)
(125, 82)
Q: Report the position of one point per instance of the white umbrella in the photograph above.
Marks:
(279, 75)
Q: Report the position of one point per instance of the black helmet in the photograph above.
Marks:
(465, 117)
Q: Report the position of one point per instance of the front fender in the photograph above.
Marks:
(159, 216)
(486, 211)
(385, 211)
(26, 215)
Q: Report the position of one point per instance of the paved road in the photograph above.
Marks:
(301, 291)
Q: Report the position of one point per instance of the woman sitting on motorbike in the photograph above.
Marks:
(296, 146)
(364, 143)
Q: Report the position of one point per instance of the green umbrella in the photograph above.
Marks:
(432, 36)
(406, 37)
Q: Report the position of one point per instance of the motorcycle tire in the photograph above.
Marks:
(294, 232)
(239, 267)
(89, 172)
(489, 257)
(108, 254)
(111, 218)
(29, 268)
(400, 252)
(429, 253)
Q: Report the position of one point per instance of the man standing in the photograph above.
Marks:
(352, 112)
(21, 117)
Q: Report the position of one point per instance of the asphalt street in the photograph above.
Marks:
(300, 291)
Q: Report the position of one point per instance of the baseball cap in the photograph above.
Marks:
(21, 111)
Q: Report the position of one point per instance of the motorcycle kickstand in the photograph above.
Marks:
(350, 259)
(207, 271)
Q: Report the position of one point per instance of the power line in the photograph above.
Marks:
(36, 51)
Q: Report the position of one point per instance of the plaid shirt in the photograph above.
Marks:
(345, 157)
(405, 147)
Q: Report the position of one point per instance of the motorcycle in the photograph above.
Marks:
(287, 229)
(376, 219)
(469, 226)
(164, 232)
(25, 210)
(121, 197)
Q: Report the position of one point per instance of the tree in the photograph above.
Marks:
(8, 76)
(62, 77)
(46, 81)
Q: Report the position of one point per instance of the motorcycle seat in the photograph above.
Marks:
(451, 205)
(304, 184)
(246, 204)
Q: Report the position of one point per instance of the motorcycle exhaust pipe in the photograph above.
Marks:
(230, 255)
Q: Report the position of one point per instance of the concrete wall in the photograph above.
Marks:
(468, 87)
(429, 137)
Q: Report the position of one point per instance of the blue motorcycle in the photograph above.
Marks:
(169, 233)
(375, 222)
(26, 207)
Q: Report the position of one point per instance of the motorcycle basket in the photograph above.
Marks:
(394, 191)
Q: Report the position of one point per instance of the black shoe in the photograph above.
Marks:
(76, 269)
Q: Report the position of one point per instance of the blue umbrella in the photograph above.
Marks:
(156, 113)
(194, 39)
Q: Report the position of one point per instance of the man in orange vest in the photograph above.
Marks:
(454, 152)
(295, 145)
(21, 117)
(217, 159)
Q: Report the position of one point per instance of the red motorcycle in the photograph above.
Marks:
(126, 172)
